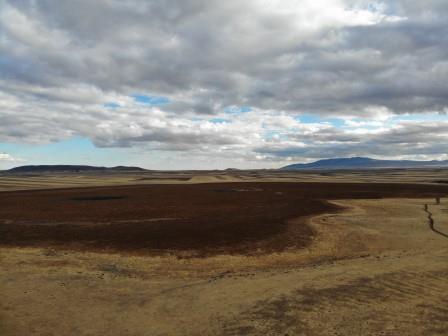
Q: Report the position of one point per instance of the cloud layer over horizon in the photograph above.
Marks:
(249, 84)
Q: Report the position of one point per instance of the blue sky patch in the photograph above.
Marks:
(76, 150)
(420, 116)
(315, 119)
(219, 120)
(237, 109)
(150, 100)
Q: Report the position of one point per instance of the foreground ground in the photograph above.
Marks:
(197, 220)
(366, 265)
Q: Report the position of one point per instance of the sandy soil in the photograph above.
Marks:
(378, 268)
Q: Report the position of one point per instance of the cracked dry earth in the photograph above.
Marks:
(375, 268)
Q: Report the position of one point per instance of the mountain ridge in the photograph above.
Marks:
(364, 163)
(70, 168)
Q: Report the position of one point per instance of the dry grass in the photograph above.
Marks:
(376, 269)
(60, 180)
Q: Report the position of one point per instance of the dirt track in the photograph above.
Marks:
(204, 219)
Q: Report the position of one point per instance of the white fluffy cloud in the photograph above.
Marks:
(7, 157)
(8, 161)
(71, 68)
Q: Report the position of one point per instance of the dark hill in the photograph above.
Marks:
(70, 168)
(364, 163)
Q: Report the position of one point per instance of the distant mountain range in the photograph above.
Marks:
(70, 168)
(328, 164)
(364, 163)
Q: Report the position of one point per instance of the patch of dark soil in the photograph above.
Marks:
(163, 179)
(97, 198)
(204, 221)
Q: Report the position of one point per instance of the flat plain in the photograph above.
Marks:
(225, 253)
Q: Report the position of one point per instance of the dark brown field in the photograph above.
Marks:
(240, 253)
(208, 219)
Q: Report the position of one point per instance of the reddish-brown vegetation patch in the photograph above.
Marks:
(205, 218)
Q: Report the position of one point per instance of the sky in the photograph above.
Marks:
(212, 84)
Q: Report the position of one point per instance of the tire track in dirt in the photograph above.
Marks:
(432, 222)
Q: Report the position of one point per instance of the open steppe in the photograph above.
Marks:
(23, 181)
(344, 253)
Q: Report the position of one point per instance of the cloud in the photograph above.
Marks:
(7, 157)
(404, 139)
(154, 75)
(8, 161)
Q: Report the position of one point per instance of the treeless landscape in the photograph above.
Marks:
(233, 258)
(223, 168)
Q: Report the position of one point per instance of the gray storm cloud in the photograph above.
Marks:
(62, 61)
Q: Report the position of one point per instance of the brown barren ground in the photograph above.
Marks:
(288, 259)
(9, 182)
(203, 219)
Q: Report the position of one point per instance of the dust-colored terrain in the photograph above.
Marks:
(226, 259)
(18, 181)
